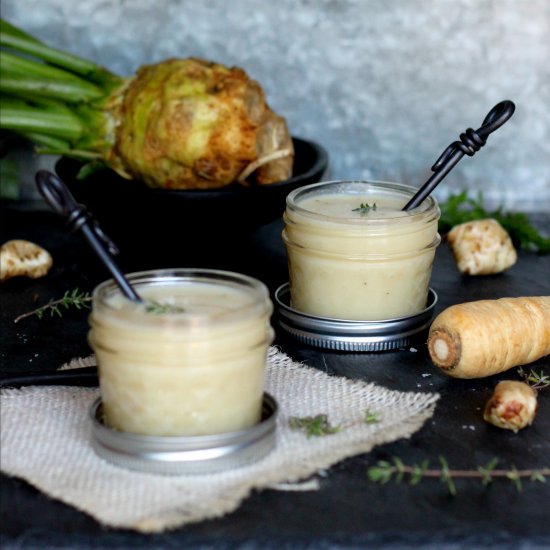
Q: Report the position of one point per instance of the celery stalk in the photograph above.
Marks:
(23, 117)
(54, 98)
(42, 87)
(46, 142)
(18, 69)
(20, 41)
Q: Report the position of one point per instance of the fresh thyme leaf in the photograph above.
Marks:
(314, 426)
(158, 308)
(56, 311)
(487, 471)
(399, 468)
(371, 417)
(537, 380)
(537, 476)
(381, 473)
(365, 208)
(446, 476)
(461, 208)
(513, 476)
(417, 471)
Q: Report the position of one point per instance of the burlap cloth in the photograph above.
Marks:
(45, 441)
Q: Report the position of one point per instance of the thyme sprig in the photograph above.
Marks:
(537, 380)
(365, 208)
(385, 471)
(371, 417)
(319, 425)
(461, 208)
(71, 298)
(80, 300)
(161, 308)
(314, 426)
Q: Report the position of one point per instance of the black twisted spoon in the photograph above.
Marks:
(470, 142)
(58, 196)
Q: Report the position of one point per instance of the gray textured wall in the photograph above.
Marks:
(384, 85)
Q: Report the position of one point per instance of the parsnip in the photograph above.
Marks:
(512, 406)
(478, 339)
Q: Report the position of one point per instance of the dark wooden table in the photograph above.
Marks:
(348, 511)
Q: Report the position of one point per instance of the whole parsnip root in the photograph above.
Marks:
(478, 339)
(512, 406)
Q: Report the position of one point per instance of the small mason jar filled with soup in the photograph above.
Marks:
(354, 254)
(189, 359)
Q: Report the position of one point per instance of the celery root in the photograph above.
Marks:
(179, 124)
(481, 247)
(482, 338)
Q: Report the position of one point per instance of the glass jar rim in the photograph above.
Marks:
(258, 291)
(428, 206)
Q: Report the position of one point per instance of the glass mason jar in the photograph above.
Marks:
(189, 360)
(354, 254)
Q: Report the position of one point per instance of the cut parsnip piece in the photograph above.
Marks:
(478, 339)
(481, 247)
(512, 406)
(20, 258)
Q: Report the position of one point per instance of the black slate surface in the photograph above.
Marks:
(348, 511)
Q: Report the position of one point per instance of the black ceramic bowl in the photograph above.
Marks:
(129, 210)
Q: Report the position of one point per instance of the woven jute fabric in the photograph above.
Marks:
(45, 440)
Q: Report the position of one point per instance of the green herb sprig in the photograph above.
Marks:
(71, 298)
(537, 380)
(371, 417)
(385, 471)
(319, 425)
(365, 208)
(80, 300)
(314, 426)
(161, 308)
(461, 208)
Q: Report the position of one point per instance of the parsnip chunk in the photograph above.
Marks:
(512, 406)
